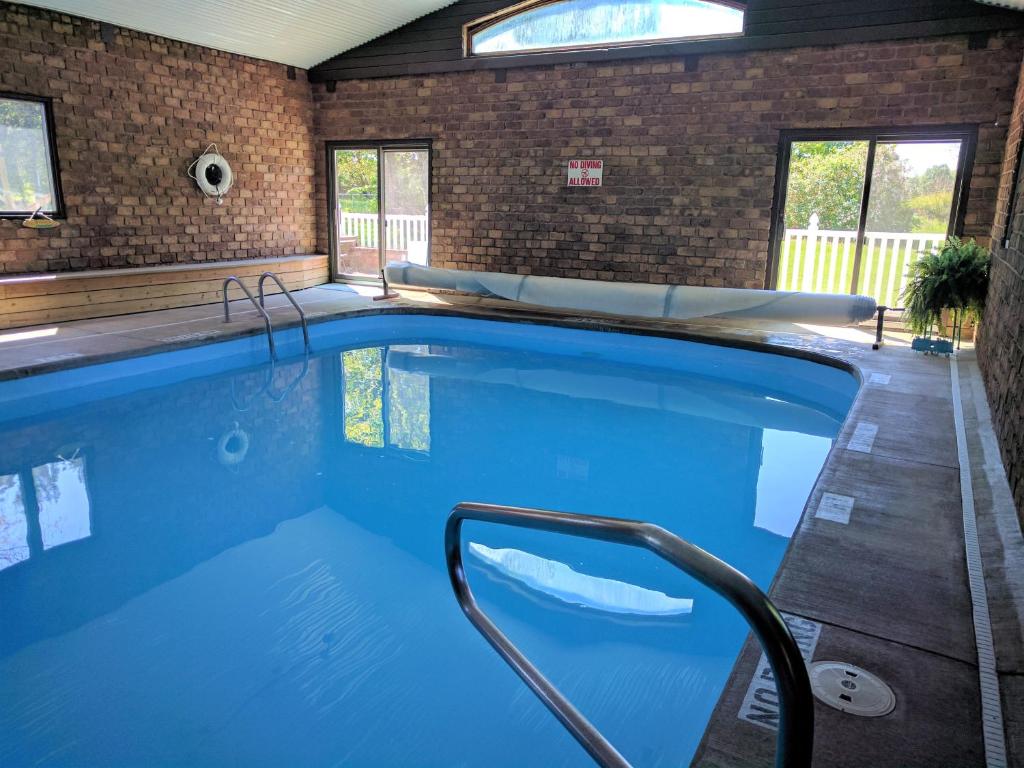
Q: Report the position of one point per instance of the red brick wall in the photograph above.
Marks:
(130, 117)
(1001, 343)
(689, 155)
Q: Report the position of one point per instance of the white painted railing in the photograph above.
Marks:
(821, 261)
(400, 229)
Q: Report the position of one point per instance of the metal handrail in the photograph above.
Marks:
(796, 703)
(288, 295)
(259, 308)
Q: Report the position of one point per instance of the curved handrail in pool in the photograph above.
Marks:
(796, 702)
(266, 318)
(287, 295)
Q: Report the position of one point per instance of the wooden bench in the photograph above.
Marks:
(61, 297)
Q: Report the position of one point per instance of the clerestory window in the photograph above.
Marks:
(569, 24)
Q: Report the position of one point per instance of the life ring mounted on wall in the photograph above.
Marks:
(212, 173)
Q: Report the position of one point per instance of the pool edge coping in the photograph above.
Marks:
(722, 337)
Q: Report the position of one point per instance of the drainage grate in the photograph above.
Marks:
(851, 689)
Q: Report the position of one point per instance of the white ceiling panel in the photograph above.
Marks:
(297, 32)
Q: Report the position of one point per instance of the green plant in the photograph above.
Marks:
(954, 277)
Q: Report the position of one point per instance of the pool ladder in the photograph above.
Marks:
(261, 308)
(796, 703)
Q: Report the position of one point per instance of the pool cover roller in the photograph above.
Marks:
(675, 302)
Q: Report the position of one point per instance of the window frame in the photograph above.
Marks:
(380, 146)
(471, 28)
(58, 211)
(965, 133)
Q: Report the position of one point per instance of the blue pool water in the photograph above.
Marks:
(202, 564)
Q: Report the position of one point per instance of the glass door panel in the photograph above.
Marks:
(825, 186)
(357, 216)
(858, 210)
(909, 213)
(406, 205)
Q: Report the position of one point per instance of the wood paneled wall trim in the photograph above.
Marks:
(61, 297)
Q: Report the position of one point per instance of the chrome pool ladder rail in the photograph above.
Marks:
(259, 308)
(796, 702)
(287, 295)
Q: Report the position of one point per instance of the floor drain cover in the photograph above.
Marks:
(851, 689)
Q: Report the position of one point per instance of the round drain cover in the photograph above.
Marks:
(851, 689)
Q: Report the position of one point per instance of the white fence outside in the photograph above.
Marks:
(400, 230)
(821, 261)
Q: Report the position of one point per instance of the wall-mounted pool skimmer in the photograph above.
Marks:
(851, 689)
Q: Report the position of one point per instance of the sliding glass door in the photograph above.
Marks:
(855, 209)
(380, 206)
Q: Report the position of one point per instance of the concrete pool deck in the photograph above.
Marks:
(882, 584)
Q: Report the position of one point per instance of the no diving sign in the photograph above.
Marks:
(586, 173)
(761, 704)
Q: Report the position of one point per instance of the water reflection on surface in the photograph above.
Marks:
(370, 384)
(63, 501)
(563, 583)
(13, 522)
(60, 512)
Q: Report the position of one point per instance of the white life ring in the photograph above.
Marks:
(213, 175)
(232, 447)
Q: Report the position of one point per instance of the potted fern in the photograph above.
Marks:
(951, 278)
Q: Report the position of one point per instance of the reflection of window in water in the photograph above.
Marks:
(369, 383)
(13, 522)
(62, 500)
(364, 420)
(409, 410)
(790, 462)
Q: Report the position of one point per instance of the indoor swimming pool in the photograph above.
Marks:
(206, 560)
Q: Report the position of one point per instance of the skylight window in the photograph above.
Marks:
(568, 24)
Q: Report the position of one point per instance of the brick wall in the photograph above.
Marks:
(689, 148)
(689, 151)
(1001, 345)
(130, 116)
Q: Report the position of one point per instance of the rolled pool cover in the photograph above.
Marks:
(676, 302)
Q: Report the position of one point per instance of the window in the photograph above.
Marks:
(547, 24)
(380, 206)
(855, 208)
(28, 158)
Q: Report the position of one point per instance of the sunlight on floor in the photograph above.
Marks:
(23, 335)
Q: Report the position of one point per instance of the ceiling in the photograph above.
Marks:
(297, 32)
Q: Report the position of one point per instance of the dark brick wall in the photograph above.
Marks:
(1001, 342)
(130, 117)
(689, 150)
